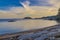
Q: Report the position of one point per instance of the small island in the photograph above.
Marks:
(27, 18)
(11, 21)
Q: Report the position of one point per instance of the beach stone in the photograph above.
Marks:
(42, 37)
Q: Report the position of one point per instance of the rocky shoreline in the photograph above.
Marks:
(49, 33)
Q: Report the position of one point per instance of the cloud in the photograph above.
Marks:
(55, 3)
(26, 3)
(33, 11)
(6, 14)
(39, 2)
(20, 12)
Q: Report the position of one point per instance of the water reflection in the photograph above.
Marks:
(22, 25)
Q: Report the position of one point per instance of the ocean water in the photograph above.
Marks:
(23, 25)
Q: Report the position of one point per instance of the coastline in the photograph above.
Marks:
(28, 32)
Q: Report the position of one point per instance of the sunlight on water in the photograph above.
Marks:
(22, 25)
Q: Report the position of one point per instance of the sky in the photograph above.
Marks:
(34, 8)
(4, 4)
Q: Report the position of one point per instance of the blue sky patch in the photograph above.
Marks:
(10, 3)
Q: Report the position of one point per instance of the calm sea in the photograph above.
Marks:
(23, 25)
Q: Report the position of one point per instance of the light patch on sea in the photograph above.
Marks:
(23, 25)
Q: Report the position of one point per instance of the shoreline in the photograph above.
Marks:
(27, 32)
